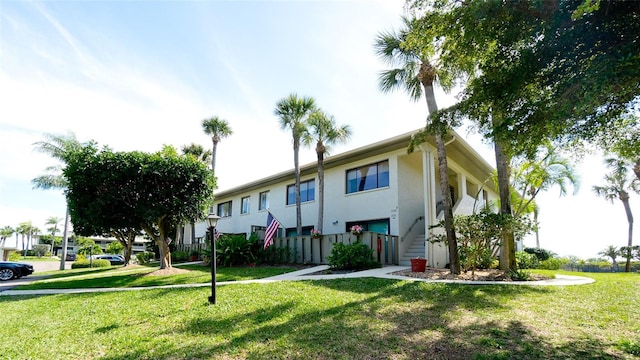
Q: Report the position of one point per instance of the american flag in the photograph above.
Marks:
(272, 227)
(216, 234)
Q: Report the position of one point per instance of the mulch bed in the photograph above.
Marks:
(480, 275)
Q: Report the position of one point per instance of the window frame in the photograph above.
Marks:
(244, 211)
(358, 171)
(219, 208)
(306, 182)
(264, 206)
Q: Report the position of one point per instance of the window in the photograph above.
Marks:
(244, 205)
(264, 200)
(307, 192)
(372, 176)
(224, 209)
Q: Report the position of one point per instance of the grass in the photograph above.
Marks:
(134, 277)
(332, 319)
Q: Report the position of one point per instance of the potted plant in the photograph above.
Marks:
(315, 233)
(356, 230)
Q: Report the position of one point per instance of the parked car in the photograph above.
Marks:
(71, 257)
(14, 270)
(113, 259)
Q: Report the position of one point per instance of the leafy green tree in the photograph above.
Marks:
(613, 253)
(114, 247)
(633, 251)
(218, 129)
(618, 186)
(199, 153)
(87, 246)
(520, 63)
(323, 130)
(155, 192)
(58, 147)
(414, 73)
(293, 113)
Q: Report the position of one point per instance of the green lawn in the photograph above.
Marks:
(332, 319)
(138, 276)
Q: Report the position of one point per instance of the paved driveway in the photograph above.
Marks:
(38, 267)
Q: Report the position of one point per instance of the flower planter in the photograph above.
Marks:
(418, 265)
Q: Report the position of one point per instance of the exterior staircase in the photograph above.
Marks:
(416, 249)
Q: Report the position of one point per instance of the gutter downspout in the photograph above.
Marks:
(428, 180)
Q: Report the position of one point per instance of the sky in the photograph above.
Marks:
(135, 75)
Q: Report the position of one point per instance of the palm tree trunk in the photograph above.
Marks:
(426, 76)
(296, 165)
(320, 190)
(65, 239)
(627, 209)
(213, 156)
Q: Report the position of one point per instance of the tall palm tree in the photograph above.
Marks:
(5, 233)
(293, 112)
(218, 129)
(612, 252)
(199, 153)
(322, 130)
(529, 177)
(618, 186)
(58, 147)
(415, 74)
(25, 229)
(53, 221)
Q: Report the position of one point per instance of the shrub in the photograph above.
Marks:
(519, 275)
(356, 256)
(552, 264)
(234, 250)
(41, 250)
(526, 261)
(14, 256)
(179, 256)
(540, 253)
(272, 255)
(144, 257)
(84, 263)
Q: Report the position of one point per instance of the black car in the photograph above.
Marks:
(14, 270)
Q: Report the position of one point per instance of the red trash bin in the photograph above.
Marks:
(418, 265)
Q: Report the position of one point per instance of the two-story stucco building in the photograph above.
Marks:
(394, 195)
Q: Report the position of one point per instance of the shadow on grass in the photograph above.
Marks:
(377, 319)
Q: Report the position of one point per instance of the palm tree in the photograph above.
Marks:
(415, 74)
(617, 186)
(612, 252)
(24, 229)
(58, 147)
(529, 177)
(199, 153)
(218, 129)
(322, 130)
(53, 222)
(294, 112)
(5, 233)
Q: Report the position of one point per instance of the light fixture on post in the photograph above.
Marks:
(212, 221)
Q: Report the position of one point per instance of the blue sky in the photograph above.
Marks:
(137, 75)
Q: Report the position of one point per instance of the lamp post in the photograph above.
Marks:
(212, 221)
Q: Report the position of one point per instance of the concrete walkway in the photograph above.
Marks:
(305, 274)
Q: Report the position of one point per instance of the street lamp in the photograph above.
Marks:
(212, 221)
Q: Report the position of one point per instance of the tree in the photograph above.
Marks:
(53, 229)
(529, 177)
(634, 251)
(155, 192)
(322, 130)
(114, 247)
(520, 62)
(5, 232)
(613, 253)
(200, 154)
(415, 74)
(58, 147)
(293, 113)
(218, 129)
(87, 246)
(25, 229)
(618, 186)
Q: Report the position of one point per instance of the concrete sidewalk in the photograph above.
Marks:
(305, 274)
